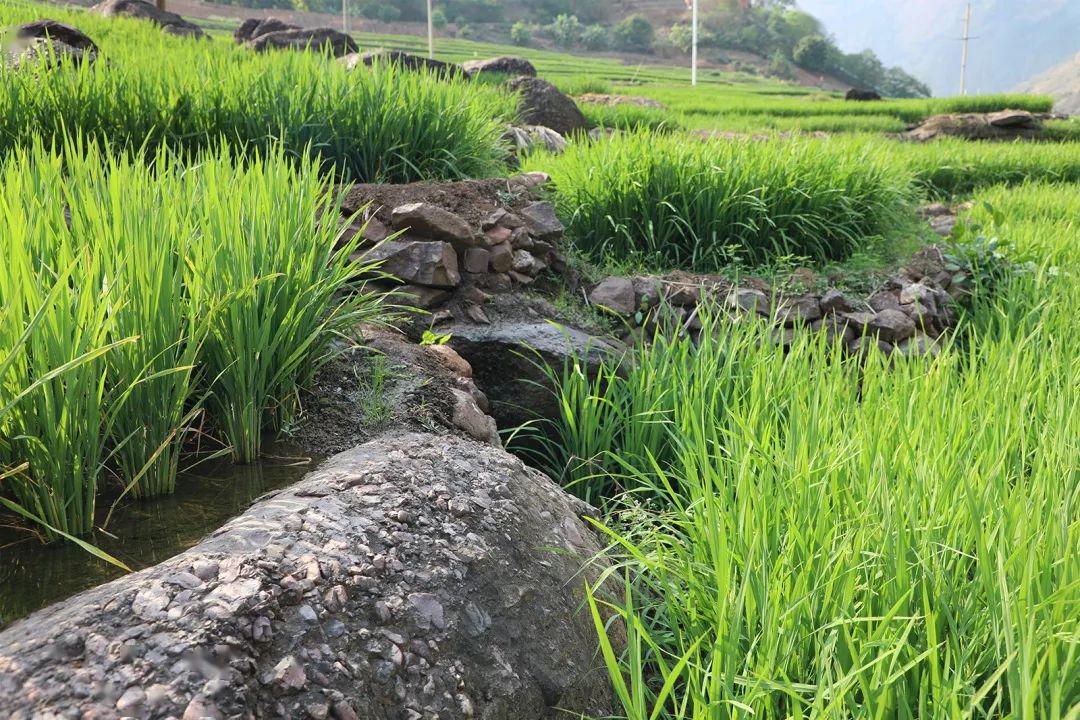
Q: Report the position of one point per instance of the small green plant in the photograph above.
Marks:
(373, 401)
(432, 338)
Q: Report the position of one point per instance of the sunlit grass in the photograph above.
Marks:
(166, 289)
(370, 126)
(800, 535)
(697, 204)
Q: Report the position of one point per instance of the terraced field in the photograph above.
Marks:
(786, 525)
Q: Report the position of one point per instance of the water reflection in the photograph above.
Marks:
(33, 576)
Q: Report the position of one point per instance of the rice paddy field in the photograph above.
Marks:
(792, 533)
(804, 538)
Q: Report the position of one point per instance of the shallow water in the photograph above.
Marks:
(33, 575)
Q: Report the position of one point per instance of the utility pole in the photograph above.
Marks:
(693, 43)
(430, 33)
(964, 56)
(345, 16)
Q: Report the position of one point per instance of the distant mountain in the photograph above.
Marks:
(1014, 40)
(1063, 82)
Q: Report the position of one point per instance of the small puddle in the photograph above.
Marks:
(33, 575)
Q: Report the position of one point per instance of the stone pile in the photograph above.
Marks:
(1005, 125)
(47, 42)
(943, 218)
(908, 315)
(614, 100)
(169, 22)
(461, 239)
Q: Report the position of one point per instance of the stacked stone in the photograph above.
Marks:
(908, 316)
(434, 252)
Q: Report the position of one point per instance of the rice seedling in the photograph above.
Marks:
(703, 204)
(55, 315)
(629, 117)
(203, 288)
(952, 167)
(736, 103)
(798, 535)
(271, 277)
(373, 126)
(143, 240)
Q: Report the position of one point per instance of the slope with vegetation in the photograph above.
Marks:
(771, 37)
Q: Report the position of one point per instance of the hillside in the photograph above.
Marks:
(1012, 40)
(773, 40)
(1062, 82)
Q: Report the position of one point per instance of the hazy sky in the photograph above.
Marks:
(1014, 39)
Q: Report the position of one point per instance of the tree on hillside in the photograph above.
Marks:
(587, 11)
(566, 30)
(634, 34)
(812, 53)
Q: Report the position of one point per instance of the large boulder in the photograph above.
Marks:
(169, 22)
(541, 103)
(505, 65)
(525, 139)
(314, 39)
(1005, 125)
(861, 95)
(256, 27)
(416, 576)
(243, 33)
(48, 41)
(507, 359)
(404, 61)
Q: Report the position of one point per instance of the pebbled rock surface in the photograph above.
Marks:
(415, 576)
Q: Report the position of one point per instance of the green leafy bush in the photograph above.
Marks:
(596, 37)
(565, 30)
(520, 34)
(634, 33)
(811, 52)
